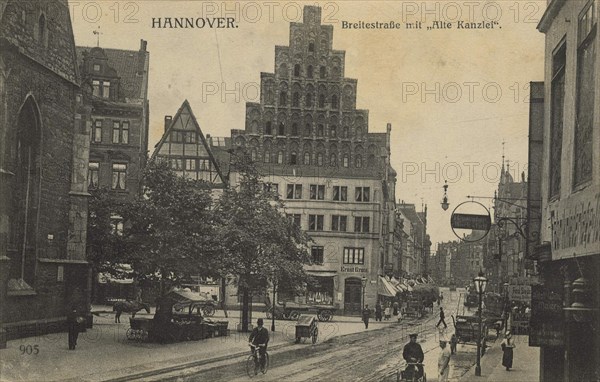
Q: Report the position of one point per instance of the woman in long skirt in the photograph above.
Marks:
(508, 346)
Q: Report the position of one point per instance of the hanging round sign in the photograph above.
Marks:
(471, 221)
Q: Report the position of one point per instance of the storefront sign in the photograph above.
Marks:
(546, 324)
(576, 225)
(470, 221)
(353, 269)
(519, 292)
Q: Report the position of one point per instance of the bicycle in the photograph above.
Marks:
(253, 362)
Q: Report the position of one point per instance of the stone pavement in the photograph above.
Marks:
(526, 364)
(104, 352)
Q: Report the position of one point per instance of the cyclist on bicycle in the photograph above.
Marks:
(260, 338)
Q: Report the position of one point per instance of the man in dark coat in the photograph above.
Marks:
(413, 353)
(260, 337)
(378, 311)
(73, 326)
(366, 314)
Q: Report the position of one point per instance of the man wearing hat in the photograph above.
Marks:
(443, 362)
(260, 337)
(413, 353)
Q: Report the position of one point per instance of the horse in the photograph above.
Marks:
(129, 307)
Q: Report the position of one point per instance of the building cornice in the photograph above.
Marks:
(551, 11)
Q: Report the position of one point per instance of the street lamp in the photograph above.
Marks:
(273, 306)
(506, 307)
(364, 285)
(480, 283)
(445, 203)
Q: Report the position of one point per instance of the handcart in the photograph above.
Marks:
(307, 327)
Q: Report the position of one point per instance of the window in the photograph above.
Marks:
(283, 99)
(309, 71)
(97, 132)
(267, 156)
(345, 161)
(177, 136)
(311, 46)
(190, 137)
(308, 130)
(96, 67)
(354, 256)
(204, 164)
(297, 70)
(294, 191)
(177, 164)
(125, 132)
(116, 224)
(281, 130)
(315, 222)
(316, 254)
(271, 187)
(309, 100)
(116, 132)
(119, 173)
(322, 72)
(346, 132)
(321, 100)
(280, 157)
(586, 63)
(268, 128)
(96, 88)
(362, 194)
(93, 174)
(253, 154)
(190, 164)
(358, 161)
(106, 89)
(333, 131)
(293, 158)
(307, 158)
(294, 129)
(320, 159)
(320, 130)
(317, 192)
(296, 99)
(361, 223)
(339, 223)
(556, 124)
(41, 33)
(333, 160)
(295, 219)
(340, 193)
(335, 104)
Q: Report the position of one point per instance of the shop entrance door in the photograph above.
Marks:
(352, 296)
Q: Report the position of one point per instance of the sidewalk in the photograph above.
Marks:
(104, 352)
(526, 364)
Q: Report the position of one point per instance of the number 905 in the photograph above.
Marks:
(29, 349)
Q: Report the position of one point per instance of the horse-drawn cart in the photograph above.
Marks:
(290, 310)
(466, 329)
(306, 327)
(414, 307)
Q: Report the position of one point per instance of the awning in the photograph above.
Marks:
(385, 288)
(322, 274)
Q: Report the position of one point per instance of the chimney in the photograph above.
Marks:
(143, 45)
(168, 120)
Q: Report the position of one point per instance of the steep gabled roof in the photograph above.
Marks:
(186, 119)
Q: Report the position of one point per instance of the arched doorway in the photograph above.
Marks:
(352, 295)
(25, 193)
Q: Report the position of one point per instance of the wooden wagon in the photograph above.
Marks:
(414, 307)
(292, 311)
(307, 327)
(466, 329)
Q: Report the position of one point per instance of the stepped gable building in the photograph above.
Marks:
(115, 84)
(315, 147)
(190, 153)
(44, 146)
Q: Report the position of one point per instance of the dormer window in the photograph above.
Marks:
(96, 67)
(101, 88)
(41, 31)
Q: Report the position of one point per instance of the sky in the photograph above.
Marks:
(457, 98)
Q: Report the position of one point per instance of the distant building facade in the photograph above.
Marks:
(314, 147)
(115, 84)
(44, 148)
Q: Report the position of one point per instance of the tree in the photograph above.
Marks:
(261, 243)
(168, 232)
